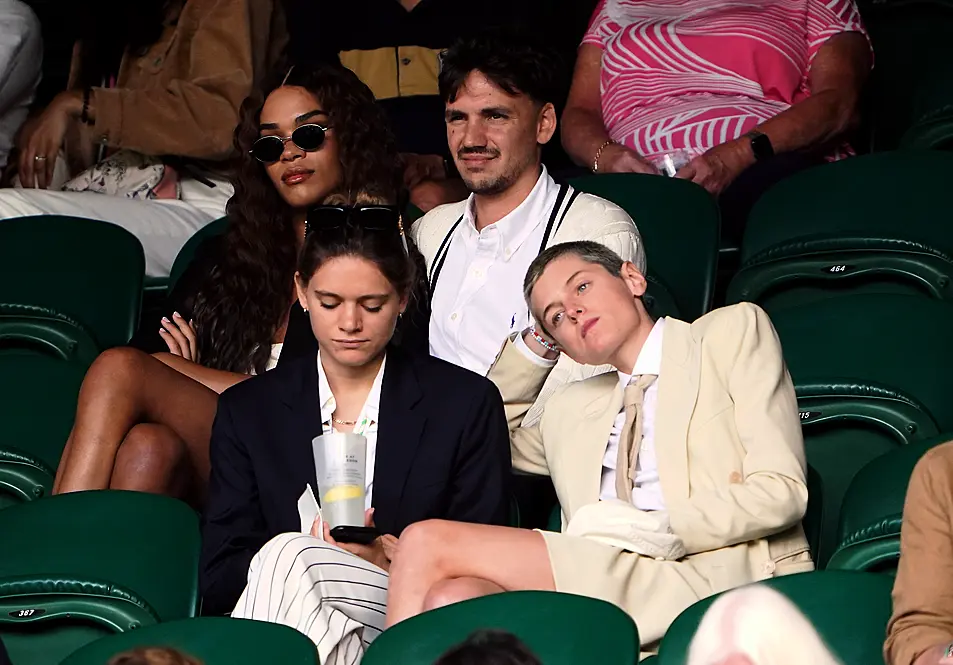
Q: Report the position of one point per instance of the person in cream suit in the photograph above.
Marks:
(679, 476)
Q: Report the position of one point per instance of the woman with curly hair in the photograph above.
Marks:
(143, 421)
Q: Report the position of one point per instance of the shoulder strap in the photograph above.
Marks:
(564, 188)
(441, 256)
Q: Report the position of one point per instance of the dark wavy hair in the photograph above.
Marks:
(247, 296)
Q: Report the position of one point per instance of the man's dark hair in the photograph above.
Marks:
(510, 60)
(489, 647)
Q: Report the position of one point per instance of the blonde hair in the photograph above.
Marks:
(153, 656)
(762, 624)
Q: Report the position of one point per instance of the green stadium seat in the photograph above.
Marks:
(187, 253)
(871, 375)
(872, 512)
(679, 224)
(561, 629)
(37, 404)
(88, 271)
(848, 609)
(864, 224)
(933, 131)
(76, 567)
(212, 640)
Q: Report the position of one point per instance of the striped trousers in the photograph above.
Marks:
(334, 597)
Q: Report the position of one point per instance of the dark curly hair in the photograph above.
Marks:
(246, 297)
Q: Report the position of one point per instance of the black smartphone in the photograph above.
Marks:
(362, 535)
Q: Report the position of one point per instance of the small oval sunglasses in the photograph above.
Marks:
(309, 138)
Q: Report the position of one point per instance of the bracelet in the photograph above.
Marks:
(595, 161)
(84, 116)
(541, 341)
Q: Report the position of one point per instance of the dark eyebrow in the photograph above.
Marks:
(310, 114)
(554, 304)
(299, 120)
(372, 296)
(496, 110)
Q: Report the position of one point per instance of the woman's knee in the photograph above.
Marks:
(150, 452)
(448, 592)
(428, 539)
(119, 366)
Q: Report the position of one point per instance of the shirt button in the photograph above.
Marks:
(769, 568)
(453, 317)
(478, 273)
(405, 61)
(507, 252)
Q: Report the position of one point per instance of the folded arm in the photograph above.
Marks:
(770, 494)
(233, 528)
(519, 374)
(923, 592)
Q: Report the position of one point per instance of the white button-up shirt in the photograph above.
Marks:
(478, 300)
(366, 421)
(647, 491)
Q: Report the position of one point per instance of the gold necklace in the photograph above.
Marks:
(346, 423)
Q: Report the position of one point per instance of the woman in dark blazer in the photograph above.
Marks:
(438, 445)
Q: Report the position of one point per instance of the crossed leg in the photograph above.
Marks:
(139, 425)
(440, 562)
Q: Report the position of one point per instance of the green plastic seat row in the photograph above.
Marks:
(864, 224)
(79, 566)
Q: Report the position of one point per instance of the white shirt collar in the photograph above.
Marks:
(650, 357)
(515, 227)
(372, 404)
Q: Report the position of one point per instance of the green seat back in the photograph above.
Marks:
(187, 253)
(870, 223)
(91, 271)
(212, 640)
(849, 610)
(561, 629)
(872, 512)
(37, 403)
(679, 225)
(81, 565)
(933, 131)
(865, 386)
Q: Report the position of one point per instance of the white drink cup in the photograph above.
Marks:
(339, 462)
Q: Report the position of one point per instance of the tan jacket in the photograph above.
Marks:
(728, 443)
(183, 96)
(923, 591)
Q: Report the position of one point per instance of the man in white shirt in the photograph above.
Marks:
(21, 57)
(499, 114)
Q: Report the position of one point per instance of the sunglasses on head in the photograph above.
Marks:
(326, 219)
(268, 149)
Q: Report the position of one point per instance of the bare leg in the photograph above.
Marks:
(152, 458)
(494, 558)
(123, 388)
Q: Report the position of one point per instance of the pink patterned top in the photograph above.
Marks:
(692, 74)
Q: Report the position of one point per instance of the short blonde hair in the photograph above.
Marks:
(153, 656)
(762, 624)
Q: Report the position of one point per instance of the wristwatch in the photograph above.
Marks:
(760, 145)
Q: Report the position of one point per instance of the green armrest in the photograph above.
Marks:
(561, 629)
(849, 610)
(212, 640)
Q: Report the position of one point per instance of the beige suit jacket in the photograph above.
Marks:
(728, 444)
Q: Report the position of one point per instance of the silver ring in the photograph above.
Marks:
(40, 158)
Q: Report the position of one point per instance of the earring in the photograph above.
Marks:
(305, 309)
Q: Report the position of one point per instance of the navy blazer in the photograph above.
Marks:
(443, 451)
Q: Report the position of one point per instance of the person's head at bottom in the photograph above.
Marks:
(153, 656)
(756, 625)
(489, 647)
(589, 301)
(355, 277)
